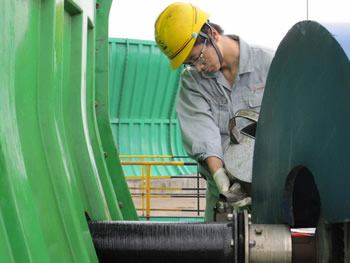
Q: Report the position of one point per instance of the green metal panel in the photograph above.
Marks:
(304, 122)
(143, 93)
(52, 166)
(116, 173)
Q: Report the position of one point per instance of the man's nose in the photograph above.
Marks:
(199, 67)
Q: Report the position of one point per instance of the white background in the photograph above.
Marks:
(263, 22)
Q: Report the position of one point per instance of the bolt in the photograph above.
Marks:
(105, 155)
(252, 243)
(96, 104)
(220, 205)
(232, 242)
(97, 5)
(229, 217)
(120, 204)
(258, 230)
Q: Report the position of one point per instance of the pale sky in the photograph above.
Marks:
(263, 22)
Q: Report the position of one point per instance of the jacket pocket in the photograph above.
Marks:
(255, 100)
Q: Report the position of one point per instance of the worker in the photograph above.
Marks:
(222, 75)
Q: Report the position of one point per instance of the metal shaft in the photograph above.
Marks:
(236, 241)
(126, 241)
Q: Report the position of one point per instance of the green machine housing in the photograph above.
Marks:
(58, 160)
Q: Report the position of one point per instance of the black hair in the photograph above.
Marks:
(205, 29)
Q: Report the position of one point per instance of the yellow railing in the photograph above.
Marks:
(147, 165)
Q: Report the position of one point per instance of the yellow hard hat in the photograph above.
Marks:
(176, 30)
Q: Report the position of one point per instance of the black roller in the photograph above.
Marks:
(129, 241)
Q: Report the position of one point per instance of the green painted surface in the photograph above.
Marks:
(111, 154)
(143, 93)
(52, 165)
(304, 121)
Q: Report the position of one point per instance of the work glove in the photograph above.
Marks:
(221, 180)
(235, 193)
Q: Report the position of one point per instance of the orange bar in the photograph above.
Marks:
(143, 186)
(139, 177)
(156, 163)
(148, 192)
(155, 188)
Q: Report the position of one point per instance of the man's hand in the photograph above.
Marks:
(221, 180)
(236, 194)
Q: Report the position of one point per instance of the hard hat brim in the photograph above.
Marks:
(181, 57)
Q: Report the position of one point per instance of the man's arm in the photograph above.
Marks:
(214, 163)
(218, 172)
(199, 133)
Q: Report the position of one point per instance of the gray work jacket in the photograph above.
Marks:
(206, 101)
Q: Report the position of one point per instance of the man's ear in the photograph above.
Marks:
(214, 32)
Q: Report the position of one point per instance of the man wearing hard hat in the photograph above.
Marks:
(224, 75)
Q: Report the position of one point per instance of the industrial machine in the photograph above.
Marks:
(236, 240)
(301, 145)
(63, 195)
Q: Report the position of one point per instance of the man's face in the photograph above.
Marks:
(204, 58)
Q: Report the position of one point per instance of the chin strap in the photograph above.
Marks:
(212, 41)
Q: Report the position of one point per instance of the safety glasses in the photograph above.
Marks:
(200, 59)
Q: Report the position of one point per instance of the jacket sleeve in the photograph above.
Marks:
(200, 134)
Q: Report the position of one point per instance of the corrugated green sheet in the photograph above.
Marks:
(143, 93)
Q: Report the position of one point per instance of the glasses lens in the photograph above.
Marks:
(200, 59)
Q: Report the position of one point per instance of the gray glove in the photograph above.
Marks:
(221, 180)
